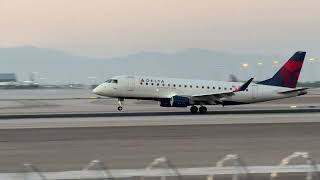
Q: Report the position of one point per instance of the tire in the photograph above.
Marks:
(203, 110)
(194, 109)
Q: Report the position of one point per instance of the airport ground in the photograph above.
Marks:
(68, 101)
(135, 147)
(133, 142)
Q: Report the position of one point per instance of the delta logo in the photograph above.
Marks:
(147, 80)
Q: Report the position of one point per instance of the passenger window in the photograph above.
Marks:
(179, 85)
(230, 89)
(213, 87)
(185, 86)
(197, 86)
(174, 85)
(162, 84)
(146, 83)
(208, 87)
(219, 88)
(151, 84)
(202, 87)
(157, 84)
(225, 88)
(168, 85)
(141, 83)
(190, 86)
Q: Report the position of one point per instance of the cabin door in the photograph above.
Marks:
(131, 83)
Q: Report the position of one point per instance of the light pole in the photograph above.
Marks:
(259, 69)
(275, 65)
(244, 67)
(314, 63)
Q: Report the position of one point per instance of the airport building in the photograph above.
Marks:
(8, 77)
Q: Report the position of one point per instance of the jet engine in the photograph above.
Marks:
(165, 103)
(180, 101)
(176, 101)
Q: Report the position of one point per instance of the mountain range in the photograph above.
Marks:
(56, 66)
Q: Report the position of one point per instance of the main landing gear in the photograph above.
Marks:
(194, 109)
(120, 100)
(202, 109)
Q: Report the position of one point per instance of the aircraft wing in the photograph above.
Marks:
(216, 96)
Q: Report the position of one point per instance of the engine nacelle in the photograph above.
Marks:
(165, 103)
(180, 101)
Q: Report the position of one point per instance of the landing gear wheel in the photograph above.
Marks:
(203, 110)
(120, 100)
(194, 109)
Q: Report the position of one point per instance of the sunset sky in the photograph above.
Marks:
(107, 28)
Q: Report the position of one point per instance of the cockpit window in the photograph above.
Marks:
(112, 81)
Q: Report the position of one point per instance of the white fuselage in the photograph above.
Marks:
(157, 88)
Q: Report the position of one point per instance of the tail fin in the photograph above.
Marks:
(289, 73)
(233, 78)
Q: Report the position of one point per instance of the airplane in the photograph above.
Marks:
(173, 92)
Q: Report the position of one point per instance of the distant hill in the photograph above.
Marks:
(54, 65)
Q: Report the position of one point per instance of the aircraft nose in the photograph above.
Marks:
(97, 90)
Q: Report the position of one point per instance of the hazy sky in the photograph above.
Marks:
(105, 28)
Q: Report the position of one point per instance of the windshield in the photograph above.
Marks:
(112, 81)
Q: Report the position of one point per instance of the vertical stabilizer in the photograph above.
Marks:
(289, 73)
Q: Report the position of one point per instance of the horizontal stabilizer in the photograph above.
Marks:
(293, 90)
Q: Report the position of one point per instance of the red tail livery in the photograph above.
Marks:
(289, 73)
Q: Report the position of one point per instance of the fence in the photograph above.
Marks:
(163, 168)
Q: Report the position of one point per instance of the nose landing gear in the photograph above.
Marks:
(120, 100)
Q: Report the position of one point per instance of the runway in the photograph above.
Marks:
(135, 146)
(157, 114)
(261, 134)
(145, 121)
(77, 102)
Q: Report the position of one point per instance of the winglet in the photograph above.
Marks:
(244, 86)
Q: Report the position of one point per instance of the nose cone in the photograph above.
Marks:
(97, 90)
